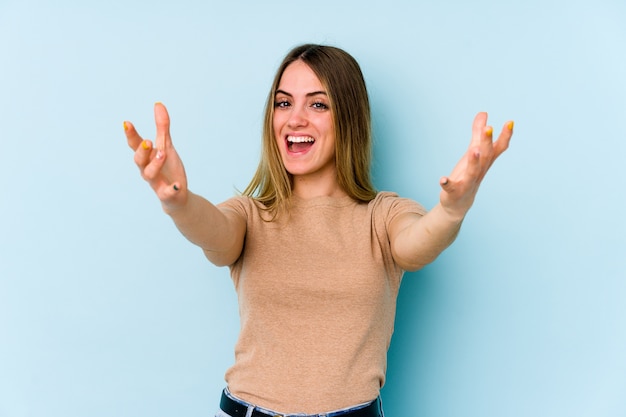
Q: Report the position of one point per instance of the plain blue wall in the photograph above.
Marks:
(105, 310)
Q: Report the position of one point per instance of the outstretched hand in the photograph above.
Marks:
(460, 187)
(159, 162)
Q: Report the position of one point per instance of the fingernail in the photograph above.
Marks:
(125, 126)
(159, 154)
(489, 131)
(145, 145)
(444, 182)
(510, 125)
(176, 187)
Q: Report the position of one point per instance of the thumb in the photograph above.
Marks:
(445, 183)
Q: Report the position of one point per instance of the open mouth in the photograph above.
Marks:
(298, 144)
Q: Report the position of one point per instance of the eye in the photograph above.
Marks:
(318, 105)
(281, 104)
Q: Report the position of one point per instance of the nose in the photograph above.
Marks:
(297, 117)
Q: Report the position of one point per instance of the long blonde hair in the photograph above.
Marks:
(342, 78)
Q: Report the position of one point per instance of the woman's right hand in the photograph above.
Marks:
(159, 162)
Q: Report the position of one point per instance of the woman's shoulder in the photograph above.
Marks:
(243, 201)
(388, 204)
(246, 206)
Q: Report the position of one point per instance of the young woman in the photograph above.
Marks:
(315, 252)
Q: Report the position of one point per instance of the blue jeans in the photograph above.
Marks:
(336, 413)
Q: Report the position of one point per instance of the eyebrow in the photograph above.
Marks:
(313, 93)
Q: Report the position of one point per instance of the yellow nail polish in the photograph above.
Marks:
(145, 145)
(125, 126)
(489, 131)
(510, 125)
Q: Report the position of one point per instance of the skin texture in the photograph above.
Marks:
(415, 241)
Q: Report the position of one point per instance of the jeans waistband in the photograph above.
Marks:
(239, 408)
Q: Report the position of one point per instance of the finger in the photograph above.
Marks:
(478, 129)
(162, 120)
(502, 144)
(143, 153)
(473, 170)
(132, 137)
(152, 170)
(467, 171)
(168, 191)
(448, 186)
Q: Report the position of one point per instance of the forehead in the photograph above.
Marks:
(299, 77)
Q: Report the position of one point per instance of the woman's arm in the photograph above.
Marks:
(220, 233)
(417, 241)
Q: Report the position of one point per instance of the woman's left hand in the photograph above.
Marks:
(460, 187)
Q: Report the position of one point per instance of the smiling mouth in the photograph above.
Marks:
(299, 143)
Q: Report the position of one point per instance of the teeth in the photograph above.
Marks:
(300, 139)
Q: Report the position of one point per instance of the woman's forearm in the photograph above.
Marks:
(219, 233)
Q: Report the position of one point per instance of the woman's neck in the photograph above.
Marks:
(307, 187)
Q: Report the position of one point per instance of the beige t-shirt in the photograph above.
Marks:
(317, 293)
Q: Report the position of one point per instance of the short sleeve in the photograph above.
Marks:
(390, 205)
(385, 207)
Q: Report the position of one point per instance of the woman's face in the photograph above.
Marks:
(303, 123)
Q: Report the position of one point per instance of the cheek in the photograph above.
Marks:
(277, 123)
(325, 122)
(329, 127)
(277, 137)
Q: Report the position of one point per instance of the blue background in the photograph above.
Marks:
(105, 310)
